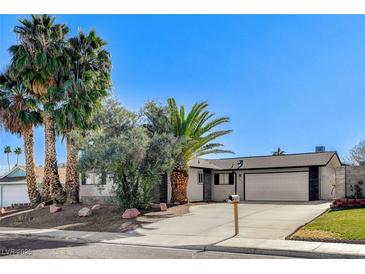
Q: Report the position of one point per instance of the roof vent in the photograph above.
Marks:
(320, 148)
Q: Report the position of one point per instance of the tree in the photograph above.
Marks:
(8, 151)
(38, 60)
(88, 81)
(278, 152)
(121, 148)
(357, 154)
(196, 136)
(18, 151)
(19, 113)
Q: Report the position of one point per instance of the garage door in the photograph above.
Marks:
(14, 194)
(291, 186)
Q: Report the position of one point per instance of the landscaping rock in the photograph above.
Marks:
(163, 206)
(85, 212)
(3, 210)
(95, 207)
(130, 213)
(41, 205)
(54, 208)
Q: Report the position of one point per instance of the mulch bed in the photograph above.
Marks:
(106, 219)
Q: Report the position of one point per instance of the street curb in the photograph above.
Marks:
(284, 252)
(215, 248)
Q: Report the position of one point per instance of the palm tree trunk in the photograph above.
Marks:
(72, 179)
(53, 187)
(179, 185)
(34, 196)
(7, 155)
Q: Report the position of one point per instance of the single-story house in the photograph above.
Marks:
(13, 185)
(291, 177)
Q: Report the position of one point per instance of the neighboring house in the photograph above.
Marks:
(290, 177)
(13, 185)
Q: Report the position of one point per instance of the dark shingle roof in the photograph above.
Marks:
(257, 162)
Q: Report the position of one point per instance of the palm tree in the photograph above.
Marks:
(8, 151)
(196, 136)
(18, 114)
(88, 82)
(38, 61)
(18, 151)
(278, 152)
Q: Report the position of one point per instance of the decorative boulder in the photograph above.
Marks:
(95, 207)
(130, 213)
(85, 212)
(163, 206)
(3, 210)
(41, 205)
(54, 208)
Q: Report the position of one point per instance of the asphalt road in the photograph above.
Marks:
(31, 248)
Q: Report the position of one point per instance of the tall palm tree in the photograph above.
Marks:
(18, 114)
(195, 131)
(278, 152)
(38, 61)
(18, 151)
(87, 83)
(8, 151)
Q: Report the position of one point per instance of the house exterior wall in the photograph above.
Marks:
(222, 191)
(195, 189)
(327, 177)
(93, 192)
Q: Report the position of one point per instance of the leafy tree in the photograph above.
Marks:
(19, 114)
(18, 151)
(278, 152)
(122, 148)
(8, 151)
(195, 134)
(357, 154)
(88, 81)
(38, 61)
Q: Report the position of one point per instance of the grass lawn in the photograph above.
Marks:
(345, 225)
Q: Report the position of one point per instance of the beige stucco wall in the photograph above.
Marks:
(327, 177)
(195, 189)
(221, 192)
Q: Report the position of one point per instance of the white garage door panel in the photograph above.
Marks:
(291, 186)
(14, 194)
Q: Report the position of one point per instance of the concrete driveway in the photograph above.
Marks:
(258, 220)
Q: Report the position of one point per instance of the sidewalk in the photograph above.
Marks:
(207, 243)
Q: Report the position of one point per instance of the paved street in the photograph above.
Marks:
(55, 249)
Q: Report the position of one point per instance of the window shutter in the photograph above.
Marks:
(216, 178)
(231, 179)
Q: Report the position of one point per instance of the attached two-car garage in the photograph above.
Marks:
(280, 186)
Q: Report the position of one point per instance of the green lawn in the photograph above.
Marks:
(335, 225)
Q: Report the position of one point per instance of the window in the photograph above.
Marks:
(200, 178)
(223, 178)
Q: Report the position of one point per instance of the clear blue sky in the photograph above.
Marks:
(291, 81)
